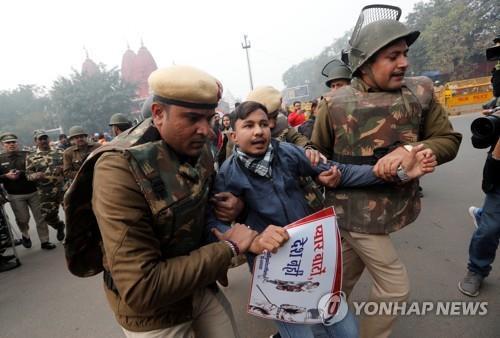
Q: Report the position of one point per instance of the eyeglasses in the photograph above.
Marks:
(43, 138)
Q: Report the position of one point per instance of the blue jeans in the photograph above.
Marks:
(346, 328)
(484, 242)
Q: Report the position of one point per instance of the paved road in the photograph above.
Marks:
(41, 299)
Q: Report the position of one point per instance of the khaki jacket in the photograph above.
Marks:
(74, 157)
(152, 292)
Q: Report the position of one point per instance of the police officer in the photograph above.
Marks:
(45, 167)
(22, 193)
(149, 200)
(381, 112)
(74, 156)
(338, 73)
(119, 123)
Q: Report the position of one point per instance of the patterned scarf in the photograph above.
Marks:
(258, 165)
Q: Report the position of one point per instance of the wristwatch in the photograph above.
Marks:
(401, 172)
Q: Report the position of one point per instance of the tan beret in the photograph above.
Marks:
(268, 96)
(185, 86)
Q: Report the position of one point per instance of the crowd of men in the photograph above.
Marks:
(36, 180)
(165, 208)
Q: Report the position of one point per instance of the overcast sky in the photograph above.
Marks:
(42, 40)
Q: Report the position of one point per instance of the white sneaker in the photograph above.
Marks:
(473, 212)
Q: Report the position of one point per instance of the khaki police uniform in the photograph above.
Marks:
(149, 205)
(22, 193)
(74, 157)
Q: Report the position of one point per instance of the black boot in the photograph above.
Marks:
(26, 242)
(48, 246)
(6, 258)
(6, 266)
(60, 232)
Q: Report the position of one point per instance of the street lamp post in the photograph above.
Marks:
(246, 45)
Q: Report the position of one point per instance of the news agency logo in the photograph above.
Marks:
(439, 308)
(332, 308)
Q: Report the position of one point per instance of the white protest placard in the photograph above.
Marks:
(289, 285)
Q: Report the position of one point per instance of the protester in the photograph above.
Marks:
(307, 127)
(271, 98)
(224, 150)
(297, 116)
(265, 172)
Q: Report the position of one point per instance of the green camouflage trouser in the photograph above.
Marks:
(49, 205)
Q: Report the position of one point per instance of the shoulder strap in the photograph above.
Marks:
(423, 89)
(144, 167)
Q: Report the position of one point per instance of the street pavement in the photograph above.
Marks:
(42, 299)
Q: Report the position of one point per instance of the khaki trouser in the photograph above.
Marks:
(388, 274)
(20, 204)
(212, 318)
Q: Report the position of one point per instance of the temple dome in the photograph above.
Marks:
(128, 66)
(89, 67)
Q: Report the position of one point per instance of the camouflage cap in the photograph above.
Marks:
(118, 118)
(6, 137)
(185, 86)
(39, 133)
(375, 36)
(76, 131)
(268, 96)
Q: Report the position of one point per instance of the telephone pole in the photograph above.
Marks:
(246, 45)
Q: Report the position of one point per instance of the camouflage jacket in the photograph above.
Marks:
(141, 217)
(176, 192)
(50, 163)
(354, 123)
